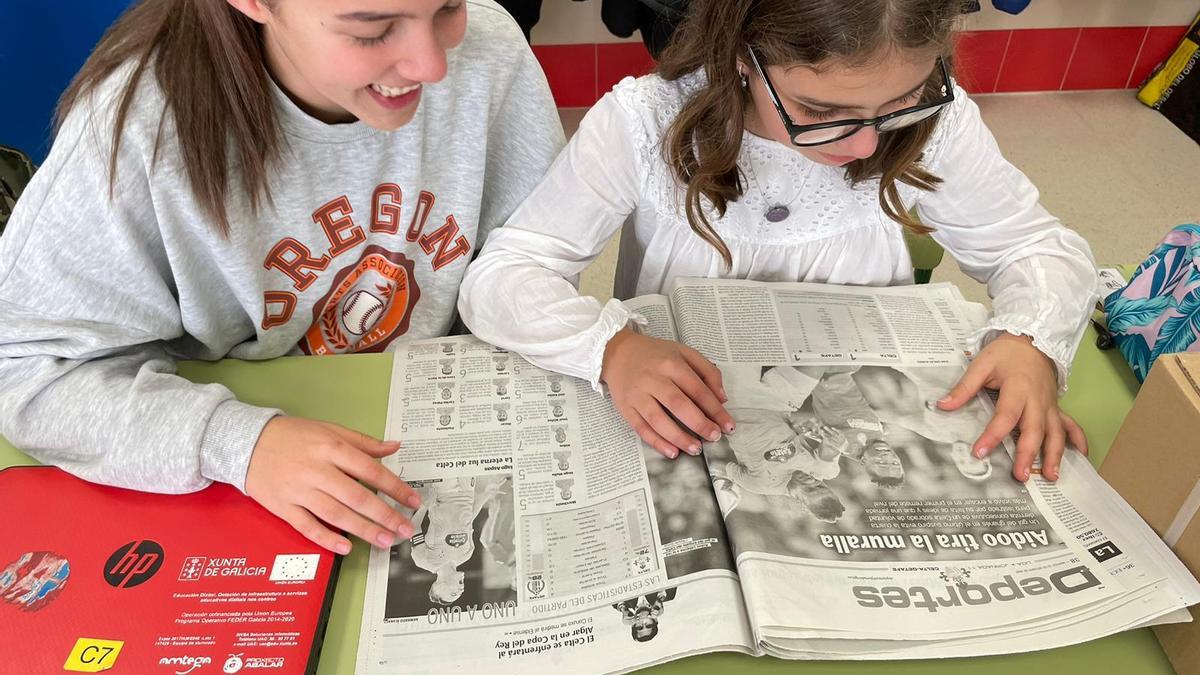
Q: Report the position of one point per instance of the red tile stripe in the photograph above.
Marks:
(1104, 58)
(1159, 44)
(1030, 59)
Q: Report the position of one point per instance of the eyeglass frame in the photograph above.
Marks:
(795, 130)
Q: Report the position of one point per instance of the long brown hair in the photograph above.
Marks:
(207, 58)
(703, 142)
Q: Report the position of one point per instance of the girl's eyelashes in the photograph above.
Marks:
(372, 41)
(818, 114)
(822, 115)
(382, 37)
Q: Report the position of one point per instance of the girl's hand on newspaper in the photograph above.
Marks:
(649, 378)
(1028, 385)
(308, 472)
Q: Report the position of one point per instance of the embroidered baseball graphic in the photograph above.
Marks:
(362, 310)
(368, 305)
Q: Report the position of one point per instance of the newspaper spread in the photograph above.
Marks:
(845, 518)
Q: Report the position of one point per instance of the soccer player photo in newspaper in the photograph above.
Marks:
(859, 451)
(463, 553)
(642, 613)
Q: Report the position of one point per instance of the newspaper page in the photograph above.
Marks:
(548, 535)
(862, 524)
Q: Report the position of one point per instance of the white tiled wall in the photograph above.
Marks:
(571, 22)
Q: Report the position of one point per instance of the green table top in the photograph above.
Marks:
(353, 391)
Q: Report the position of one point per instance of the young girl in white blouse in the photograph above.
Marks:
(788, 140)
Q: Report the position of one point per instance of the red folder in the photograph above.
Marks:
(101, 579)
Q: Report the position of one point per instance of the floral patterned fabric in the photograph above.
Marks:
(1159, 311)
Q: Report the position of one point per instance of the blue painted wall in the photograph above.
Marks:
(42, 45)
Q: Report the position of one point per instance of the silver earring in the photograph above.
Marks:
(745, 80)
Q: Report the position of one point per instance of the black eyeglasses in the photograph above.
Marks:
(807, 135)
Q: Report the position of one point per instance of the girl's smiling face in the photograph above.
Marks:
(346, 60)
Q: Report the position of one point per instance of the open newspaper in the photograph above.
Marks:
(845, 518)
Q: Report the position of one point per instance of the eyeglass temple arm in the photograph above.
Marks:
(770, 89)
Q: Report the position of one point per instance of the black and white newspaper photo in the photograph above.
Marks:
(463, 553)
(846, 462)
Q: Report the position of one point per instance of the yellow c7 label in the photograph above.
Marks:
(91, 655)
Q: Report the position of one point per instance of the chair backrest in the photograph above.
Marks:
(15, 172)
(926, 253)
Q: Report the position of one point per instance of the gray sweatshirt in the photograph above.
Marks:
(366, 242)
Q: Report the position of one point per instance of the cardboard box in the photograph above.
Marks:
(1154, 463)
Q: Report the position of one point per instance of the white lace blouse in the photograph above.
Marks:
(521, 294)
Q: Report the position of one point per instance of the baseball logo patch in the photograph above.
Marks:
(368, 305)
